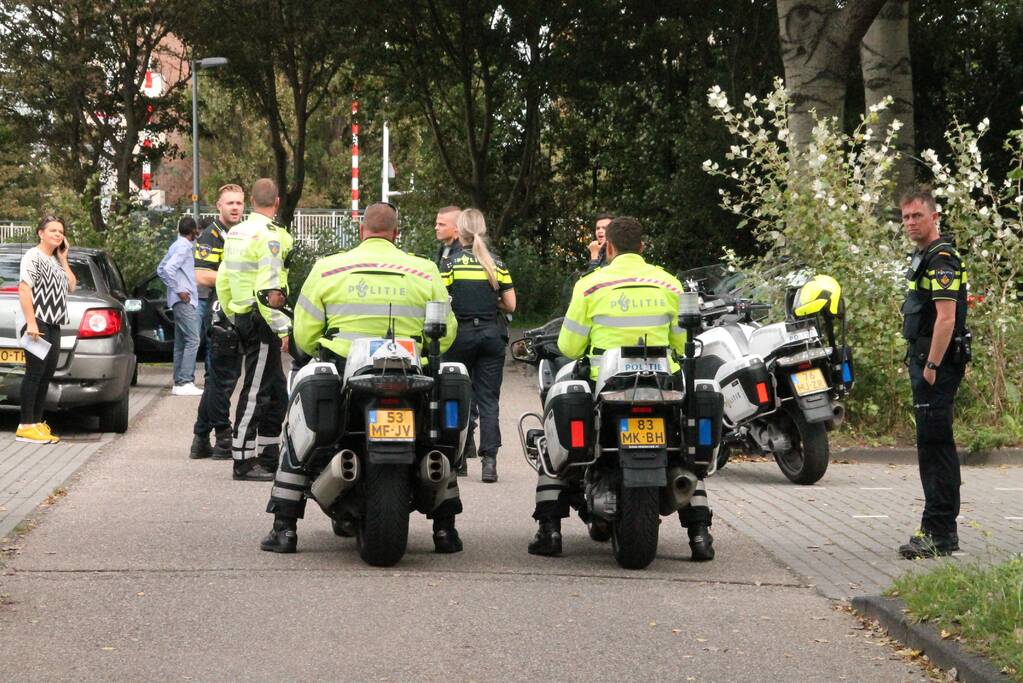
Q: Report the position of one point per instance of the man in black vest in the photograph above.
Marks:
(934, 325)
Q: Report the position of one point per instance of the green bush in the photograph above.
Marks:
(825, 208)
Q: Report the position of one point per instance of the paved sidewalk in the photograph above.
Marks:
(29, 472)
(842, 533)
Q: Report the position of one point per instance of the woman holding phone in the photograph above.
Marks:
(46, 280)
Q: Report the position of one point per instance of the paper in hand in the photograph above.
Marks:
(37, 347)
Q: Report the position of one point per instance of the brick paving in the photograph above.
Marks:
(841, 534)
(29, 472)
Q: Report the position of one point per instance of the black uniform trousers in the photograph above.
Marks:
(222, 372)
(935, 444)
(263, 400)
(481, 345)
(38, 374)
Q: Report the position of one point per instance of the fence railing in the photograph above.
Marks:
(307, 226)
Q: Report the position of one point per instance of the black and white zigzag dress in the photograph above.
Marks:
(48, 281)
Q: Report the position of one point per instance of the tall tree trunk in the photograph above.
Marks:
(887, 70)
(818, 42)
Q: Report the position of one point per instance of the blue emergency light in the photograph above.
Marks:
(706, 432)
(451, 415)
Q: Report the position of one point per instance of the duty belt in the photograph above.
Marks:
(477, 322)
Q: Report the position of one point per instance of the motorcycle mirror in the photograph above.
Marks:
(522, 350)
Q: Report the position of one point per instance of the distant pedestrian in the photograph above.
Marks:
(447, 234)
(223, 361)
(177, 270)
(481, 294)
(598, 247)
(934, 325)
(46, 280)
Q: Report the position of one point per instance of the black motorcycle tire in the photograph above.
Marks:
(383, 529)
(634, 531)
(810, 456)
(724, 453)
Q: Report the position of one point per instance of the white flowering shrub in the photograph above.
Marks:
(986, 220)
(827, 209)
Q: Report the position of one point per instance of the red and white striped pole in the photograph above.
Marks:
(355, 161)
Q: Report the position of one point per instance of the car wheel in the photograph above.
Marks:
(113, 417)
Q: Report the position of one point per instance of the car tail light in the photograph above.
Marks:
(578, 434)
(100, 322)
(762, 396)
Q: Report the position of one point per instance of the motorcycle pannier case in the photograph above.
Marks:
(314, 410)
(454, 396)
(747, 388)
(709, 409)
(568, 424)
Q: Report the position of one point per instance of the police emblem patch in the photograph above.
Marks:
(944, 278)
(275, 247)
(203, 250)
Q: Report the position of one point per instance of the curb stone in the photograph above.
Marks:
(1003, 456)
(947, 654)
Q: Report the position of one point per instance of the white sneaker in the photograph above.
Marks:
(186, 390)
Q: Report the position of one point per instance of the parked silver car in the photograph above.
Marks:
(97, 363)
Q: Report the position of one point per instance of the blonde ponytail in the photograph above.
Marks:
(472, 230)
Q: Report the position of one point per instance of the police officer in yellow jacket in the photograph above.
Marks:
(612, 307)
(252, 289)
(350, 296)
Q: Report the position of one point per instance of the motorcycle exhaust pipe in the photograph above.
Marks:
(839, 417)
(679, 491)
(337, 477)
(434, 469)
(434, 473)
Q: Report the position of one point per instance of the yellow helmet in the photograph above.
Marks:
(821, 294)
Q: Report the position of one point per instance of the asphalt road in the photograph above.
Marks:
(150, 569)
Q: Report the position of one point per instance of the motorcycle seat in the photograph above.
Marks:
(708, 365)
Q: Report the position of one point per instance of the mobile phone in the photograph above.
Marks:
(63, 246)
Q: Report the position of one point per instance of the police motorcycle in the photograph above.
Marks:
(641, 435)
(782, 382)
(382, 438)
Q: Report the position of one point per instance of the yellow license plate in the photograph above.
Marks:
(12, 357)
(391, 425)
(809, 382)
(641, 432)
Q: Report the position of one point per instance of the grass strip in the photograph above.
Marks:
(980, 606)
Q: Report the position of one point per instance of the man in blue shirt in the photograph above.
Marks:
(177, 270)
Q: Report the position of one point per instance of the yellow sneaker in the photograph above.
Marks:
(32, 434)
(49, 432)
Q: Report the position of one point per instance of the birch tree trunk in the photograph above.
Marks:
(887, 70)
(818, 42)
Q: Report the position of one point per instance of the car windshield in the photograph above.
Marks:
(10, 273)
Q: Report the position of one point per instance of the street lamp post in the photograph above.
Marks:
(197, 64)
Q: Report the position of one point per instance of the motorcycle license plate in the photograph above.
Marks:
(391, 425)
(12, 357)
(641, 432)
(809, 382)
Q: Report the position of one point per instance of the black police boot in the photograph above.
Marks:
(270, 457)
(470, 447)
(445, 536)
(701, 543)
(923, 545)
(489, 468)
(283, 538)
(548, 538)
(251, 470)
(222, 447)
(200, 448)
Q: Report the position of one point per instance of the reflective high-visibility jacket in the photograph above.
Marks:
(353, 295)
(625, 303)
(255, 260)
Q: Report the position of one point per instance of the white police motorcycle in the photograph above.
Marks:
(641, 436)
(383, 439)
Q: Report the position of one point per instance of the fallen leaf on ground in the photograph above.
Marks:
(821, 640)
